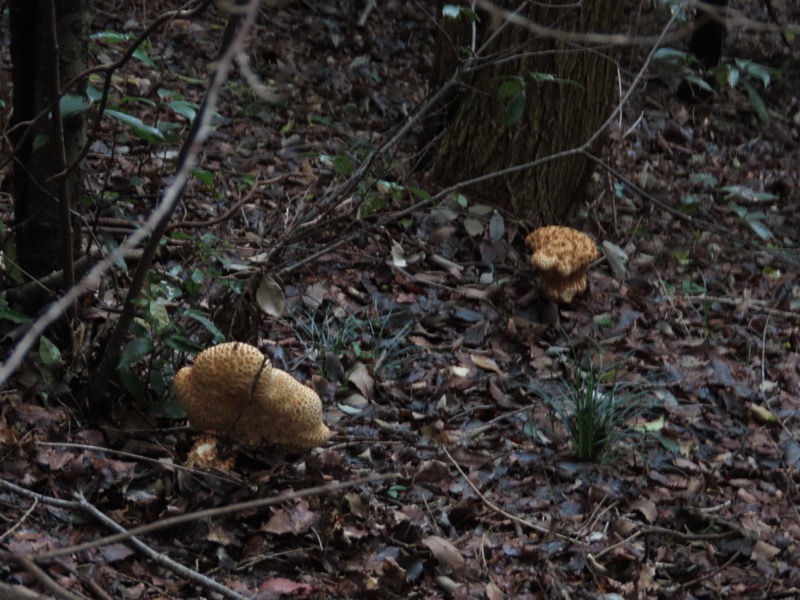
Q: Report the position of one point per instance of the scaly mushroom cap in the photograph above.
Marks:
(564, 255)
(233, 388)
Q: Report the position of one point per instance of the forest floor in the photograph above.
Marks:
(445, 376)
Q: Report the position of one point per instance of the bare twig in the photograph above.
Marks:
(190, 517)
(494, 508)
(49, 584)
(158, 557)
(129, 536)
(138, 457)
(21, 520)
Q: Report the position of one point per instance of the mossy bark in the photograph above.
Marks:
(557, 116)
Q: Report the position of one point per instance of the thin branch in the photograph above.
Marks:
(494, 508)
(171, 466)
(21, 520)
(158, 557)
(249, 505)
(49, 584)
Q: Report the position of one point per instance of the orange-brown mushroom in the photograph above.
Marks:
(563, 254)
(232, 388)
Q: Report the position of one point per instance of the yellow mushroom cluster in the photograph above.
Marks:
(563, 254)
(233, 389)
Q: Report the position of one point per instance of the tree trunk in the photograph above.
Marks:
(557, 115)
(708, 34)
(37, 193)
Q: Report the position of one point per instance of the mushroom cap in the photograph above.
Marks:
(564, 255)
(233, 388)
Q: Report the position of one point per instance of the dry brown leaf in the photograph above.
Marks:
(486, 363)
(764, 551)
(270, 297)
(360, 377)
(646, 507)
(446, 553)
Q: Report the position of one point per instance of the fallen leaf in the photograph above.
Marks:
(270, 296)
(646, 507)
(486, 363)
(360, 377)
(764, 551)
(446, 553)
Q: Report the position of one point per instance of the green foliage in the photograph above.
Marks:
(598, 412)
(169, 325)
(740, 73)
(119, 106)
(455, 11)
(745, 73)
(348, 338)
(513, 89)
(9, 314)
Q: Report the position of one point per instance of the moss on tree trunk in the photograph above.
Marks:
(557, 116)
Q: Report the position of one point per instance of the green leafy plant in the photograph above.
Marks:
(169, 325)
(744, 73)
(739, 73)
(513, 89)
(597, 412)
(348, 338)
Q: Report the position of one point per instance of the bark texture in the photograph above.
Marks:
(37, 192)
(556, 116)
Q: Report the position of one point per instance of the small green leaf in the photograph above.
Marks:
(550, 78)
(758, 103)
(112, 37)
(511, 87)
(699, 82)
(419, 193)
(473, 226)
(705, 180)
(740, 211)
(394, 490)
(158, 312)
(48, 351)
(756, 70)
(142, 131)
(40, 141)
(132, 384)
(760, 229)
(207, 177)
(515, 110)
(742, 192)
(454, 11)
(184, 108)
(141, 55)
(134, 350)
(71, 104)
(650, 426)
(370, 206)
(672, 55)
(206, 322)
(8, 314)
(181, 343)
(342, 164)
(93, 93)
